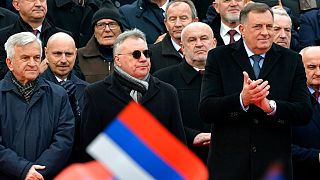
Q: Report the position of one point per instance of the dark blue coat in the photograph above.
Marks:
(310, 28)
(36, 132)
(306, 147)
(146, 16)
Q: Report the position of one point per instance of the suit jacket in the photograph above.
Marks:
(47, 30)
(187, 82)
(247, 143)
(306, 147)
(103, 100)
(310, 28)
(164, 54)
(146, 16)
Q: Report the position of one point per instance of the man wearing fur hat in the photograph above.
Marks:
(96, 58)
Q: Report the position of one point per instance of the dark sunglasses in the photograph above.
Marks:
(137, 54)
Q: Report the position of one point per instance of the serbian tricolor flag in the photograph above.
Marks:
(136, 146)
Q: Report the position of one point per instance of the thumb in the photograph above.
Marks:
(39, 167)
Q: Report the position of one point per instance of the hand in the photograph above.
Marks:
(253, 91)
(202, 139)
(34, 174)
(160, 38)
(43, 65)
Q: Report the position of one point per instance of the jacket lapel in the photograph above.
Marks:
(241, 58)
(114, 87)
(270, 60)
(153, 89)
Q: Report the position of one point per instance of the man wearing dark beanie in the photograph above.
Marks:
(96, 58)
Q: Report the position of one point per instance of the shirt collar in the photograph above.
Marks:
(250, 53)
(175, 45)
(224, 29)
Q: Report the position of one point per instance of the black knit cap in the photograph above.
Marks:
(107, 13)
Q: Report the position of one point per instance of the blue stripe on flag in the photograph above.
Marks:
(138, 151)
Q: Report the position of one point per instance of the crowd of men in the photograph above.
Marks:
(241, 90)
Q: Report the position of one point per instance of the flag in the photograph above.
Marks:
(136, 146)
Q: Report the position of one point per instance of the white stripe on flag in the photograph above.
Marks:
(122, 166)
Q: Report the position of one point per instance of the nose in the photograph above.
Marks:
(178, 22)
(233, 3)
(282, 33)
(264, 30)
(317, 71)
(37, 2)
(199, 42)
(63, 58)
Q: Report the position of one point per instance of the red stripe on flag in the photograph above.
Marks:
(162, 142)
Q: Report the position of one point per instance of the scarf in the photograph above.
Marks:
(136, 87)
(25, 90)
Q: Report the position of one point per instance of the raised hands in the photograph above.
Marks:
(255, 92)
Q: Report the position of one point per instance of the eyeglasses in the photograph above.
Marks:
(103, 25)
(137, 54)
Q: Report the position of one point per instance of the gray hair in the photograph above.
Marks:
(133, 33)
(304, 50)
(253, 7)
(278, 10)
(20, 39)
(189, 2)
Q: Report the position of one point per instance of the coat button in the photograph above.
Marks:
(254, 149)
(255, 121)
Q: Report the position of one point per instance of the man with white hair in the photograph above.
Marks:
(281, 27)
(36, 120)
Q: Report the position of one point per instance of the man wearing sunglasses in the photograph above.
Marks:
(130, 80)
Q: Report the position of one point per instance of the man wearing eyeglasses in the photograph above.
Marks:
(130, 81)
(31, 19)
(96, 58)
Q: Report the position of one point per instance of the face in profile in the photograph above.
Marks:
(106, 31)
(25, 64)
(131, 61)
(61, 53)
(257, 31)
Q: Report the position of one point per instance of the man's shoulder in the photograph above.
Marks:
(129, 8)
(167, 72)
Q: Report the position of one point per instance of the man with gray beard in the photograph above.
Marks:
(225, 25)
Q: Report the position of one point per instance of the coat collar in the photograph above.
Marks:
(60, 3)
(187, 72)
(115, 88)
(242, 59)
(48, 74)
(167, 47)
(91, 49)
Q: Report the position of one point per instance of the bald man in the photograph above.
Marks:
(61, 54)
(306, 144)
(197, 39)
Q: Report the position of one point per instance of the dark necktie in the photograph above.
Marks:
(256, 68)
(232, 32)
(316, 95)
(35, 32)
(201, 71)
(180, 51)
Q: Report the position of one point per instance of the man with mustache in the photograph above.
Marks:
(31, 19)
(225, 25)
(179, 14)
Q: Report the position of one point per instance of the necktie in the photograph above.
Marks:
(316, 95)
(232, 32)
(201, 71)
(180, 51)
(35, 32)
(256, 68)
